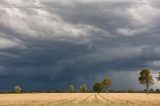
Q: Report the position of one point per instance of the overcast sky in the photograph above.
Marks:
(47, 45)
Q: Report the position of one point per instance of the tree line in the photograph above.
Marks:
(145, 78)
(97, 87)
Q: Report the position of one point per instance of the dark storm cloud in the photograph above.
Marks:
(64, 43)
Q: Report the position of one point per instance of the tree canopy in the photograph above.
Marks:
(107, 82)
(98, 87)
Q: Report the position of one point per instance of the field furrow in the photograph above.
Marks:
(80, 99)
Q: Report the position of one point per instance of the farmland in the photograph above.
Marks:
(80, 99)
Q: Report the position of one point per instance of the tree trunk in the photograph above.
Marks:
(147, 90)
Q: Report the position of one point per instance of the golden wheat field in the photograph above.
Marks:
(80, 99)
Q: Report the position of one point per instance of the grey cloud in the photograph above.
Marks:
(76, 43)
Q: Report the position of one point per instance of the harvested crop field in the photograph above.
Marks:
(80, 99)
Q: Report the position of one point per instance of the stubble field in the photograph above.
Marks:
(80, 99)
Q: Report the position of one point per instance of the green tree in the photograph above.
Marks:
(18, 89)
(107, 82)
(98, 87)
(146, 79)
(84, 88)
(71, 88)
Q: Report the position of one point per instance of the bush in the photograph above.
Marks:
(130, 91)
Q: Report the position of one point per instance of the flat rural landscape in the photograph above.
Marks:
(79, 52)
(80, 99)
